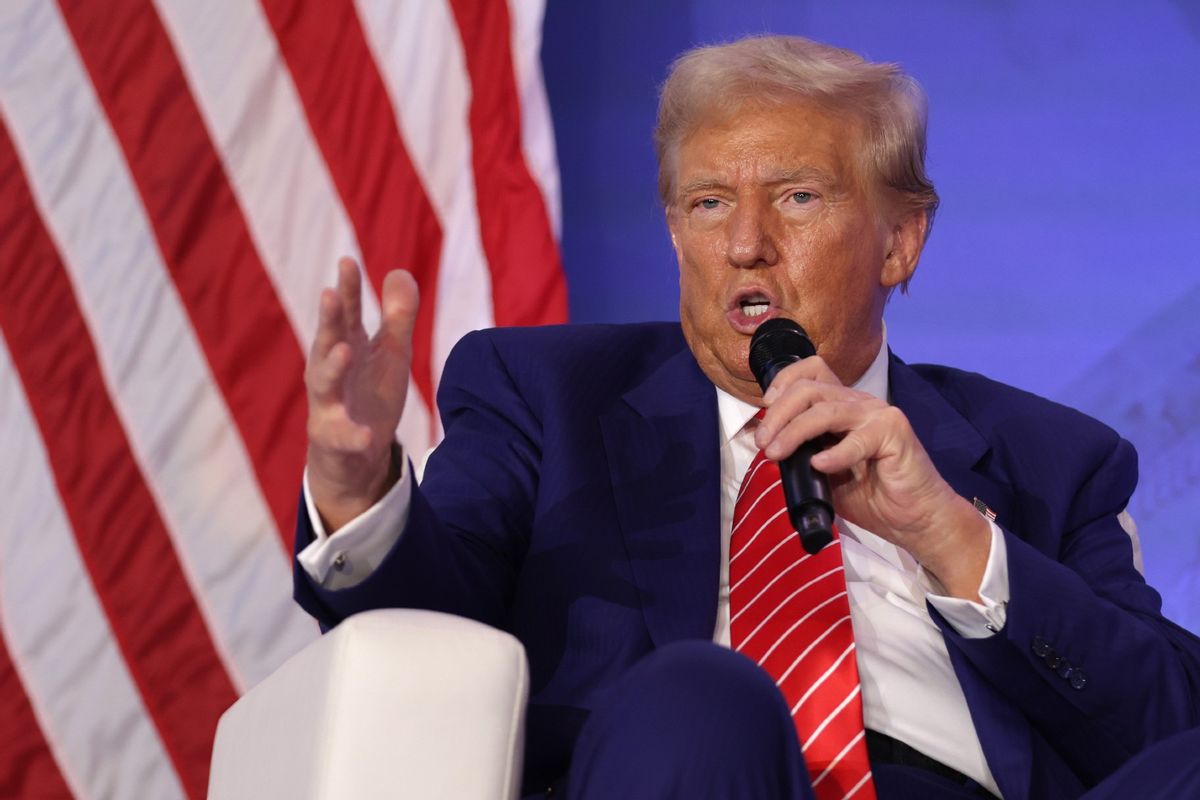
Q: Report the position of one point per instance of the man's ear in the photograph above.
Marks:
(905, 241)
(672, 221)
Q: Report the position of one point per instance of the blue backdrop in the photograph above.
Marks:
(1065, 143)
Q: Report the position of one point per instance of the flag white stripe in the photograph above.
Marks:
(418, 52)
(262, 137)
(537, 126)
(275, 168)
(55, 629)
(176, 421)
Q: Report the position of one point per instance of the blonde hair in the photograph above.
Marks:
(719, 79)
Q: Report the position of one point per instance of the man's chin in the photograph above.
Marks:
(737, 380)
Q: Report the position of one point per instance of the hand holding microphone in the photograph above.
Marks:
(886, 482)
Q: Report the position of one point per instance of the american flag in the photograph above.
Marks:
(177, 180)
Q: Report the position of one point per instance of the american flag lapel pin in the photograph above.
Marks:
(983, 508)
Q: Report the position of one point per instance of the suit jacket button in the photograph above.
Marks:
(1064, 669)
(1078, 679)
(1040, 646)
(1052, 659)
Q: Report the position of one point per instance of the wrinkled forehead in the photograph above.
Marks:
(804, 130)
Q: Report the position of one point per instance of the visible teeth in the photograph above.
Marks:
(755, 309)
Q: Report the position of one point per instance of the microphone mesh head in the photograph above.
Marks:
(775, 344)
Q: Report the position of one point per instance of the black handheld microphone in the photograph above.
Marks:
(775, 344)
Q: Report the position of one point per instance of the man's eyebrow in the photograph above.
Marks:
(776, 178)
(701, 185)
(800, 174)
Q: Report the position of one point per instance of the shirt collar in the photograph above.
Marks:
(735, 413)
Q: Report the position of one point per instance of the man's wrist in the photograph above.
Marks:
(337, 503)
(959, 562)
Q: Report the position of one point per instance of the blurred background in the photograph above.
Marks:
(177, 180)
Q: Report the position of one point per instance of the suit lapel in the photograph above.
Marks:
(959, 452)
(662, 445)
(953, 443)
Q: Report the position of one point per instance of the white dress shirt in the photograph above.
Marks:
(909, 690)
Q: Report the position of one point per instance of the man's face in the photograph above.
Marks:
(771, 217)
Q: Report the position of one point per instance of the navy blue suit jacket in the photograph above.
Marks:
(575, 503)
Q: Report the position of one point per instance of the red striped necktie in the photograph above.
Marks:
(789, 612)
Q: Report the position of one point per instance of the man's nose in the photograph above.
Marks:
(751, 238)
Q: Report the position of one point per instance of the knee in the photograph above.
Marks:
(692, 719)
(702, 679)
(691, 692)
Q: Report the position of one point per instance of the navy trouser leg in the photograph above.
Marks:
(1168, 770)
(691, 720)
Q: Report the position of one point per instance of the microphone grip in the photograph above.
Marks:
(807, 494)
(805, 489)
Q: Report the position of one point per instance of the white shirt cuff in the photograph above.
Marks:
(346, 559)
(977, 620)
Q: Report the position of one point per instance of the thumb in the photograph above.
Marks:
(399, 305)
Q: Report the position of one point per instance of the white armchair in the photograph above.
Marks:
(391, 703)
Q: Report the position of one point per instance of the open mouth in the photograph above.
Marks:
(754, 305)
(750, 308)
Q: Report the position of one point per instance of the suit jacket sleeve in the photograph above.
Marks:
(462, 558)
(1085, 654)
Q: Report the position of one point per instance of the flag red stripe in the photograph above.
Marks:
(247, 339)
(528, 287)
(121, 536)
(354, 124)
(28, 768)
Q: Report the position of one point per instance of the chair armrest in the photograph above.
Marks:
(391, 703)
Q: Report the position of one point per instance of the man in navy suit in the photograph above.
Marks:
(583, 495)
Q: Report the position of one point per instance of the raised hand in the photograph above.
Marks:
(880, 476)
(356, 389)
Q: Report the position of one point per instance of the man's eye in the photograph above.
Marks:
(802, 197)
(708, 203)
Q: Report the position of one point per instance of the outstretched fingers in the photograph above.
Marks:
(357, 386)
(330, 353)
(349, 290)
(339, 323)
(327, 373)
(399, 305)
(329, 325)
